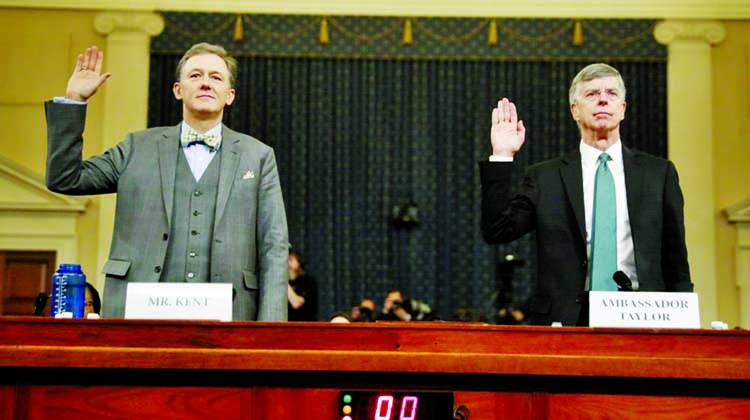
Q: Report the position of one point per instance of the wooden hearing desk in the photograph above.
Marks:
(122, 369)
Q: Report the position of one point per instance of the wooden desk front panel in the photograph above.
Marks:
(116, 369)
(259, 403)
(49, 402)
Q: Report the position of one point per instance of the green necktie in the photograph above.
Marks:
(604, 229)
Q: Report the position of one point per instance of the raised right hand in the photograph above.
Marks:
(86, 78)
(508, 133)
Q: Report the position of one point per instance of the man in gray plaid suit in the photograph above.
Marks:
(197, 202)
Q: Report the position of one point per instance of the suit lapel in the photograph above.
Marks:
(570, 172)
(230, 158)
(634, 174)
(168, 148)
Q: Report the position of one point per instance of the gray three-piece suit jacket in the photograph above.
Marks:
(249, 247)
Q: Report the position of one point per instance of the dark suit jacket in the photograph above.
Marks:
(250, 239)
(550, 201)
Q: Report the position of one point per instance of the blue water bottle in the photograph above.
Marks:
(68, 292)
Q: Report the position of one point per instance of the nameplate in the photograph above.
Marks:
(644, 309)
(193, 301)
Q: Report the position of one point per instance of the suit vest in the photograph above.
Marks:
(189, 251)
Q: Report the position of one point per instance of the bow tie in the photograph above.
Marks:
(190, 136)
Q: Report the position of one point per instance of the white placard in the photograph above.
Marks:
(644, 310)
(194, 301)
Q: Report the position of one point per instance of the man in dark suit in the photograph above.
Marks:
(556, 199)
(196, 202)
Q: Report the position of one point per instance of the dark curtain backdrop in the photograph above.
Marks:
(356, 137)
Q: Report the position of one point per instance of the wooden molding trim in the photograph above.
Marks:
(685, 9)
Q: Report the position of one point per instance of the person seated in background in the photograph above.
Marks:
(365, 312)
(392, 309)
(469, 315)
(302, 292)
(93, 302)
(510, 315)
(396, 307)
(340, 318)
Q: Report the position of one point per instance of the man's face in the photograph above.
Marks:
(293, 263)
(599, 106)
(89, 305)
(204, 87)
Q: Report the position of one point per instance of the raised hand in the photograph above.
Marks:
(508, 133)
(86, 78)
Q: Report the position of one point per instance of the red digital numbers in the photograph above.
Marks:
(387, 401)
(409, 404)
(385, 405)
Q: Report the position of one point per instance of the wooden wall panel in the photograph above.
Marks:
(7, 402)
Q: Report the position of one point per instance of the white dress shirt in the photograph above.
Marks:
(589, 163)
(198, 155)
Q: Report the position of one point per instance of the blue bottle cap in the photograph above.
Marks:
(70, 268)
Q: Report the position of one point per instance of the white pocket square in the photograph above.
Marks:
(248, 175)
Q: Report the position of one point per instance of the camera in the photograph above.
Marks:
(365, 315)
(417, 309)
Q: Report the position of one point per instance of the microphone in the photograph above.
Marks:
(623, 281)
(41, 301)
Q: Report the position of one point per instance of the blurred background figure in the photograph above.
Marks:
(391, 311)
(365, 312)
(510, 316)
(302, 291)
(469, 315)
(93, 302)
(509, 309)
(340, 318)
(396, 307)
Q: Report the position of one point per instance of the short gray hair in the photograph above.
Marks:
(591, 72)
(206, 48)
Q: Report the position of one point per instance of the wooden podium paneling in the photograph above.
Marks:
(120, 369)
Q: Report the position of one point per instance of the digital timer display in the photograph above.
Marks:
(395, 405)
